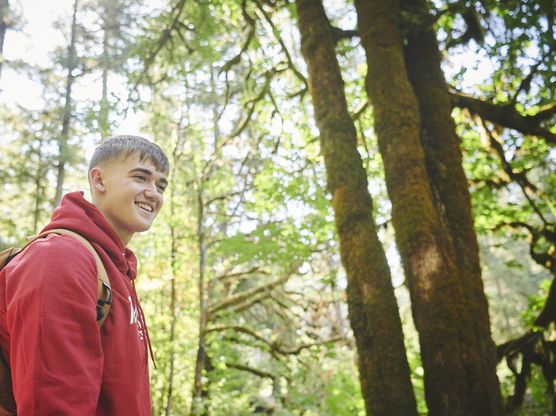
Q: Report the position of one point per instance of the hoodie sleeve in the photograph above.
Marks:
(55, 352)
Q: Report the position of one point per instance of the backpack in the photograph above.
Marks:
(104, 301)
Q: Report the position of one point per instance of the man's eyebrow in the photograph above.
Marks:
(163, 180)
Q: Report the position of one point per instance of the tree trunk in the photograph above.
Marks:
(451, 197)
(113, 17)
(451, 349)
(66, 115)
(39, 194)
(173, 318)
(107, 22)
(4, 10)
(198, 405)
(173, 289)
(373, 312)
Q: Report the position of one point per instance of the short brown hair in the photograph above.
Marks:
(123, 146)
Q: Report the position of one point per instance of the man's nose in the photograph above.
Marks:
(151, 191)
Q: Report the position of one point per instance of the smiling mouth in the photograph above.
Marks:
(146, 207)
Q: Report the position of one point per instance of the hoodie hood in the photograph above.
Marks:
(77, 214)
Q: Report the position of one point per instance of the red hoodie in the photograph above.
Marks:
(62, 363)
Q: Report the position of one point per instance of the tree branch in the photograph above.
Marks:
(545, 258)
(545, 113)
(505, 116)
(341, 34)
(247, 294)
(242, 307)
(164, 37)
(359, 110)
(251, 22)
(520, 177)
(228, 275)
(530, 348)
(251, 104)
(272, 345)
(238, 328)
(255, 371)
(525, 84)
(276, 33)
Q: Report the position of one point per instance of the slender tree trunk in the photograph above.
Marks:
(4, 10)
(500, 293)
(173, 289)
(201, 397)
(66, 115)
(113, 17)
(373, 312)
(198, 405)
(39, 187)
(451, 197)
(173, 317)
(107, 21)
(452, 352)
(216, 113)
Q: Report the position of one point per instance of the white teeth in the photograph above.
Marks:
(144, 206)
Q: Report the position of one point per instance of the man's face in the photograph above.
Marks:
(130, 194)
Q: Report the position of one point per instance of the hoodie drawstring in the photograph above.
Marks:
(144, 323)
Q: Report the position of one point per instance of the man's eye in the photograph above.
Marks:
(140, 177)
(161, 188)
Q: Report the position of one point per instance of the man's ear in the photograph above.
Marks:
(97, 180)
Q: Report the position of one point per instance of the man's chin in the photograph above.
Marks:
(143, 228)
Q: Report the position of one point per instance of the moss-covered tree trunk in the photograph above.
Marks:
(373, 312)
(451, 194)
(451, 348)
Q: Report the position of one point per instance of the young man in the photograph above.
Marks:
(61, 362)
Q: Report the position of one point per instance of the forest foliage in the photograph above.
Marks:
(241, 277)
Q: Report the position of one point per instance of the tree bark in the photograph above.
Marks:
(373, 312)
(451, 198)
(67, 110)
(450, 347)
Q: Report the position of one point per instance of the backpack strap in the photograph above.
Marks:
(104, 294)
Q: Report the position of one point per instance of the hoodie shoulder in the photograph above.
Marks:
(53, 270)
(58, 252)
